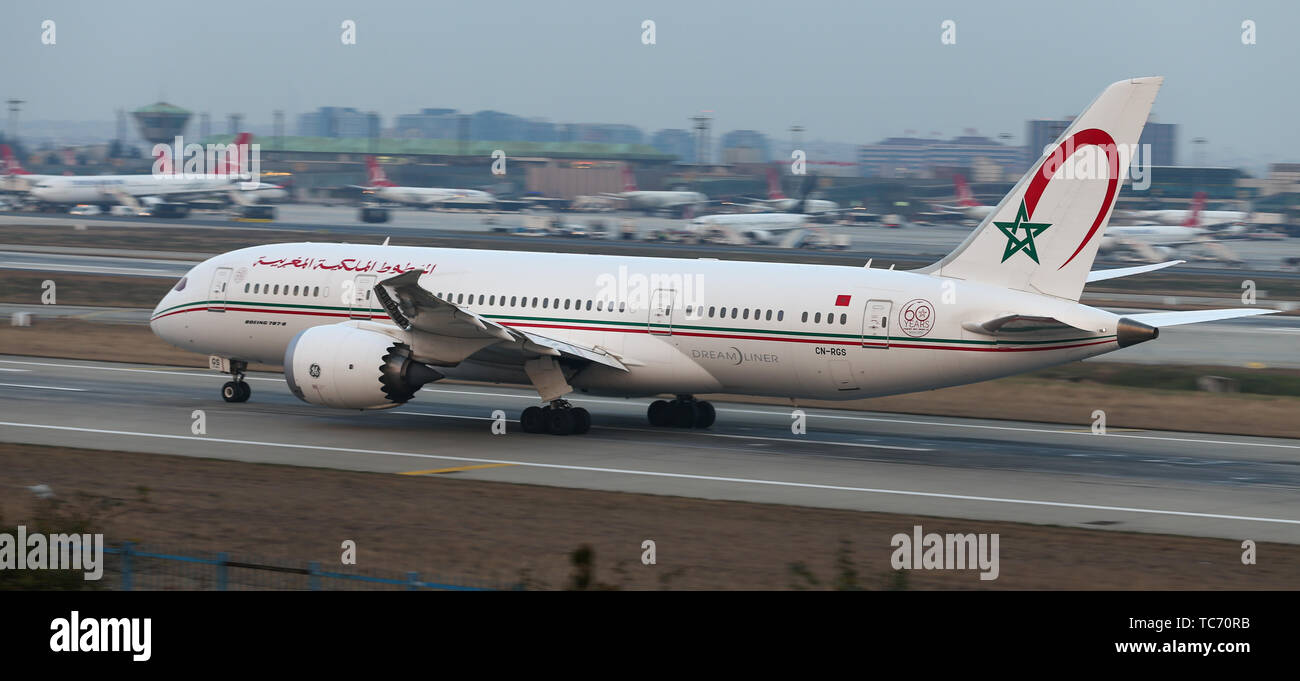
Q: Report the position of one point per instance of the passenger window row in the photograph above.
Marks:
(830, 318)
(692, 312)
(286, 290)
(535, 302)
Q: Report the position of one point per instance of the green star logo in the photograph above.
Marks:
(1032, 229)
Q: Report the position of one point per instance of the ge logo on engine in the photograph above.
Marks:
(916, 318)
(314, 370)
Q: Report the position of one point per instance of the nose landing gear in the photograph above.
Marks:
(236, 390)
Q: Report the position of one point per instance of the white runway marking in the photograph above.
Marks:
(768, 412)
(660, 474)
(41, 387)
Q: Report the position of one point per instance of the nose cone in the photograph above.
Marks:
(156, 319)
(164, 314)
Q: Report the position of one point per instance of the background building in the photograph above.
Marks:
(335, 121)
(1162, 137)
(674, 141)
(918, 156)
(745, 146)
(160, 123)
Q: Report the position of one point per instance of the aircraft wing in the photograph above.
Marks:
(1102, 275)
(447, 334)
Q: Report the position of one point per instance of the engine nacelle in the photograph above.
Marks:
(350, 368)
(759, 236)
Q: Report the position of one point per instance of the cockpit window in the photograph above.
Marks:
(180, 285)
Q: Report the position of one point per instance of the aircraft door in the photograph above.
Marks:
(660, 322)
(361, 302)
(875, 324)
(217, 291)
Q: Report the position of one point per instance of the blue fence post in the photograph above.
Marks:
(313, 582)
(126, 565)
(221, 571)
(413, 581)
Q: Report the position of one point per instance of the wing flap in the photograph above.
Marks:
(446, 332)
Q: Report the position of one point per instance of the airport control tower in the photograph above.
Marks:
(160, 123)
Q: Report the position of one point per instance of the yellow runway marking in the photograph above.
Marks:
(457, 469)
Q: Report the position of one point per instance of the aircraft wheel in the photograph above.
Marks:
(235, 392)
(682, 414)
(560, 422)
(659, 413)
(581, 421)
(533, 420)
(705, 414)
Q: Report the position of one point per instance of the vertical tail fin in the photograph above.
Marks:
(964, 195)
(1044, 235)
(375, 174)
(774, 184)
(12, 166)
(231, 163)
(1194, 215)
(629, 179)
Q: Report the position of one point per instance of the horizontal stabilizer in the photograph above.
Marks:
(1162, 319)
(1102, 275)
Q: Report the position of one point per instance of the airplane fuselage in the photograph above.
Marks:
(106, 188)
(680, 326)
(429, 195)
(661, 199)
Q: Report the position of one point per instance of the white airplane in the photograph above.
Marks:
(1157, 242)
(761, 228)
(365, 327)
(151, 188)
(778, 201)
(966, 203)
(650, 201)
(16, 179)
(1196, 216)
(381, 187)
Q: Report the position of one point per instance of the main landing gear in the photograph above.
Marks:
(683, 412)
(557, 418)
(236, 390)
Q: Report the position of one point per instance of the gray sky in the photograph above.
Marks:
(849, 71)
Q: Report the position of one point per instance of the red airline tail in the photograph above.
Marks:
(774, 184)
(629, 179)
(1198, 204)
(232, 162)
(12, 166)
(375, 174)
(964, 196)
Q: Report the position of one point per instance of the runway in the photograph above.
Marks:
(1146, 481)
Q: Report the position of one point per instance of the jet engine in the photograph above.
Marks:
(758, 236)
(350, 368)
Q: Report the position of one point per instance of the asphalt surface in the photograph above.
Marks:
(1147, 481)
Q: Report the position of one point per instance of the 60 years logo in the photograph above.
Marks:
(916, 318)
